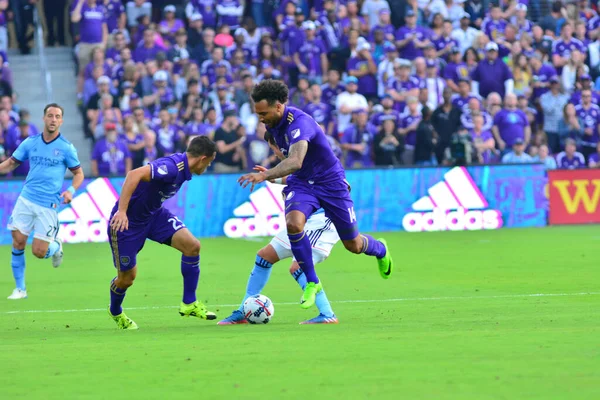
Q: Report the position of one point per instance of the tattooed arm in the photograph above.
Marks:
(292, 163)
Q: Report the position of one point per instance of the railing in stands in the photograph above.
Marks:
(39, 43)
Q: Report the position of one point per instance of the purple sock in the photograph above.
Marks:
(116, 298)
(190, 269)
(302, 251)
(372, 246)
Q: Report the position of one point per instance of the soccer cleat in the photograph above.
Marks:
(18, 294)
(236, 317)
(123, 321)
(385, 264)
(310, 294)
(321, 319)
(196, 309)
(57, 258)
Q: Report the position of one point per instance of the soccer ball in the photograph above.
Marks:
(258, 309)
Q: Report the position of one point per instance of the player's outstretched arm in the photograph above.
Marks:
(119, 221)
(8, 165)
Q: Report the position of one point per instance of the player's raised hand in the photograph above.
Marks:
(66, 196)
(119, 222)
(259, 168)
(252, 178)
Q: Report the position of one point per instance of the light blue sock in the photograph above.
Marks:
(258, 278)
(52, 248)
(18, 267)
(322, 302)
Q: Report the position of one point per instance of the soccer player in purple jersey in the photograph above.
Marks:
(316, 180)
(139, 215)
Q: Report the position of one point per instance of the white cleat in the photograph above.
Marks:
(57, 258)
(18, 294)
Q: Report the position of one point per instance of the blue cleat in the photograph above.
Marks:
(321, 319)
(236, 317)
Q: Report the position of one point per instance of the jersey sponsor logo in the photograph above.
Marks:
(454, 204)
(162, 169)
(262, 215)
(574, 196)
(295, 133)
(86, 218)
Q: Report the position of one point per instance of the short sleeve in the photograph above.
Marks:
(497, 118)
(301, 130)
(21, 153)
(71, 158)
(163, 170)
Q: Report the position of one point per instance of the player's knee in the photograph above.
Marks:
(294, 226)
(39, 252)
(192, 249)
(353, 246)
(19, 244)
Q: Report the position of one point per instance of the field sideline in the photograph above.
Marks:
(508, 314)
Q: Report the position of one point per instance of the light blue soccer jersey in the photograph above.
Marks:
(48, 162)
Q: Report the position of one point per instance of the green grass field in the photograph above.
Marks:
(509, 314)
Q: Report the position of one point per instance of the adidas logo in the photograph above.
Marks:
(262, 215)
(455, 204)
(86, 218)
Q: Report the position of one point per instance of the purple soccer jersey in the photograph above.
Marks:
(354, 135)
(321, 181)
(147, 217)
(407, 120)
(166, 138)
(402, 86)
(546, 72)
(169, 31)
(321, 112)
(466, 120)
(563, 161)
(576, 97)
(591, 119)
(511, 125)
(143, 53)
(410, 51)
(564, 49)
(207, 9)
(455, 72)
(594, 159)
(482, 137)
(91, 23)
(330, 93)
(113, 11)
(310, 55)
(367, 84)
(378, 119)
(494, 28)
(111, 157)
(442, 42)
(462, 103)
(198, 129)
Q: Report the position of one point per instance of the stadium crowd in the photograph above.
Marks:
(391, 82)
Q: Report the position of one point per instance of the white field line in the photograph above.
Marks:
(505, 296)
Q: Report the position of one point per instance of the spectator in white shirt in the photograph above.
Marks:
(385, 69)
(135, 9)
(465, 35)
(349, 101)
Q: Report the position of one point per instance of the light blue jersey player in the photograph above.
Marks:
(49, 156)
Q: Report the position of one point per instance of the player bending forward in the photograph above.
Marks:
(317, 180)
(323, 237)
(139, 215)
(49, 155)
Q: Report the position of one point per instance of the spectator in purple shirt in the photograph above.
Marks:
(570, 158)
(147, 50)
(23, 132)
(445, 43)
(492, 74)
(196, 126)
(93, 32)
(113, 54)
(564, 46)
(411, 39)
(542, 73)
(511, 124)
(98, 60)
(170, 25)
(356, 141)
(494, 25)
(115, 15)
(110, 156)
(320, 111)
(168, 136)
(363, 67)
(594, 159)
(134, 140)
(483, 140)
(311, 55)
(230, 13)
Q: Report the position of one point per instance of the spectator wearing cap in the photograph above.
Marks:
(194, 33)
(494, 25)
(553, 103)
(517, 155)
(402, 85)
(136, 9)
(372, 10)
(585, 83)
(168, 136)
(570, 158)
(179, 54)
(93, 32)
(333, 88)
(170, 25)
(383, 23)
(492, 75)
(387, 113)
(146, 50)
(455, 70)
(520, 21)
(311, 56)
(134, 140)
(162, 94)
(482, 139)
(356, 141)
(230, 13)
(362, 66)
(445, 43)
(410, 38)
(92, 85)
(385, 69)
(230, 146)
(589, 113)
(209, 67)
(563, 47)
(511, 124)
(319, 110)
(110, 156)
(95, 101)
(575, 67)
(349, 101)
(268, 71)
(409, 121)
(206, 8)
(434, 85)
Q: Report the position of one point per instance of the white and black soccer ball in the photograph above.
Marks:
(258, 309)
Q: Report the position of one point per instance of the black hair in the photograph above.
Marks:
(54, 105)
(201, 146)
(270, 90)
